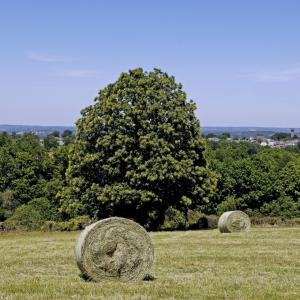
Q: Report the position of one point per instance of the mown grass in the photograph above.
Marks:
(261, 264)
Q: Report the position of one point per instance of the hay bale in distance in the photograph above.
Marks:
(234, 221)
(115, 249)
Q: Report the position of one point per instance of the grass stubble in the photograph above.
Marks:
(261, 264)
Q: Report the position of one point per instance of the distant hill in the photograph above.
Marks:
(43, 131)
(247, 131)
(40, 131)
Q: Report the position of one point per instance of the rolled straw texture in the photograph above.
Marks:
(234, 221)
(115, 249)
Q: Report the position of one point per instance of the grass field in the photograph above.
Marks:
(262, 264)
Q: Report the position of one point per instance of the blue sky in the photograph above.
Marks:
(239, 60)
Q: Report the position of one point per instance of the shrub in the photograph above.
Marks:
(274, 221)
(33, 214)
(9, 226)
(193, 217)
(7, 204)
(77, 223)
(284, 206)
(230, 203)
(174, 220)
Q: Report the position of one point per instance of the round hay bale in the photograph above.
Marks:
(234, 221)
(114, 249)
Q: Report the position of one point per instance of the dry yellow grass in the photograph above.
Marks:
(261, 264)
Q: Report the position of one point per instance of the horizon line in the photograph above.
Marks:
(208, 126)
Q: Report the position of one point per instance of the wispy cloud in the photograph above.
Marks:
(82, 73)
(280, 76)
(46, 58)
(74, 72)
(285, 75)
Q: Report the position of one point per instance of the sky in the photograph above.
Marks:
(238, 60)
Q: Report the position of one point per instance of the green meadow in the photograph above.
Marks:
(261, 264)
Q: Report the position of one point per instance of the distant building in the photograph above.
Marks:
(214, 139)
(292, 133)
(271, 143)
(60, 142)
(291, 143)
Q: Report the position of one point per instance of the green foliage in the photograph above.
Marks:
(288, 181)
(68, 137)
(28, 171)
(253, 179)
(77, 223)
(7, 204)
(174, 220)
(229, 203)
(55, 133)
(193, 217)
(284, 206)
(21, 167)
(34, 214)
(225, 135)
(138, 151)
(50, 141)
(210, 135)
(4, 139)
(282, 136)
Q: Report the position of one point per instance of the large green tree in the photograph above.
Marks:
(137, 152)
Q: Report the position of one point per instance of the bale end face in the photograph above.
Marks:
(115, 249)
(234, 221)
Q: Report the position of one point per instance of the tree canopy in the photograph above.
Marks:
(28, 171)
(137, 152)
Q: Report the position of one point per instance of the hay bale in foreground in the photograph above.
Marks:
(114, 249)
(234, 221)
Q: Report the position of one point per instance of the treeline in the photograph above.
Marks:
(139, 154)
(31, 175)
(258, 180)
